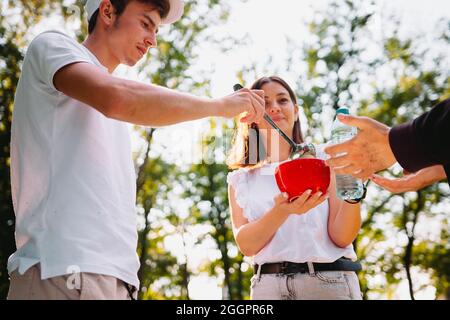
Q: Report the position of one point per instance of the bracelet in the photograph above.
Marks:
(355, 201)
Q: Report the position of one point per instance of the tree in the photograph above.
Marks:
(392, 79)
(344, 71)
(205, 185)
(171, 68)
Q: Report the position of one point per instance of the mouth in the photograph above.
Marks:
(278, 118)
(141, 50)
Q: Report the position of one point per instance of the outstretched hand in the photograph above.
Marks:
(411, 181)
(366, 153)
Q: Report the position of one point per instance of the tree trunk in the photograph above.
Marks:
(240, 277)
(148, 206)
(185, 271)
(411, 237)
(407, 263)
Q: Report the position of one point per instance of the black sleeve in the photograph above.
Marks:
(447, 172)
(425, 141)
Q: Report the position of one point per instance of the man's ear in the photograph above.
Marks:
(106, 12)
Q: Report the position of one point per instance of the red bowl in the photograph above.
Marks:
(296, 176)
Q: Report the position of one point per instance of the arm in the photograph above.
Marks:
(424, 141)
(416, 145)
(150, 105)
(251, 237)
(344, 220)
(411, 182)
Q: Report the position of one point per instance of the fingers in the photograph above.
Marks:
(394, 186)
(338, 149)
(355, 121)
(258, 104)
(302, 199)
(363, 174)
(315, 200)
(281, 198)
(307, 201)
(255, 105)
(352, 163)
(260, 93)
(351, 169)
(354, 171)
(339, 161)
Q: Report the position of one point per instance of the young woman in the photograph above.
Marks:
(301, 249)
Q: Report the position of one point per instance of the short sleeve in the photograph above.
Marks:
(51, 51)
(238, 180)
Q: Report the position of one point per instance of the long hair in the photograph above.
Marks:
(247, 150)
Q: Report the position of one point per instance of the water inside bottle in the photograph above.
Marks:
(348, 188)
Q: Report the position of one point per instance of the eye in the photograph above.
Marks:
(145, 25)
(283, 101)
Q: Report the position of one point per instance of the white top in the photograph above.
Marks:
(301, 238)
(72, 174)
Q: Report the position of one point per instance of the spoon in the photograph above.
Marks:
(298, 149)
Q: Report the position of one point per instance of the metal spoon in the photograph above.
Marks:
(298, 149)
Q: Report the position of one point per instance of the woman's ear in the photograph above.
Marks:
(296, 109)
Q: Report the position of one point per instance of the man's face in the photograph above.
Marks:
(134, 32)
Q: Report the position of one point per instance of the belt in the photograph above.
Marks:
(342, 264)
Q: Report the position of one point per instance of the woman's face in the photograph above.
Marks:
(279, 107)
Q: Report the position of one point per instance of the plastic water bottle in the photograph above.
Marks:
(347, 187)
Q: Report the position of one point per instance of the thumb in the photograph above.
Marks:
(259, 93)
(282, 197)
(355, 121)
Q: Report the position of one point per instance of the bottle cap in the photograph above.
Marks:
(342, 111)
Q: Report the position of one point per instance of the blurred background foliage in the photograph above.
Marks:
(404, 240)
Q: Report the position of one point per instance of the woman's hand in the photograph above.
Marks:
(301, 205)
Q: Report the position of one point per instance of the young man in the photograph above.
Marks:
(73, 179)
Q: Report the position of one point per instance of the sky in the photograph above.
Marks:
(267, 26)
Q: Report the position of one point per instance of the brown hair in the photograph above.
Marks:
(162, 6)
(247, 150)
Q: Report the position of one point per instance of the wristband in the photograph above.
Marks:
(355, 201)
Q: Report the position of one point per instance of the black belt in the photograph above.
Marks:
(342, 264)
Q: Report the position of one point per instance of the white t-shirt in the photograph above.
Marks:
(72, 174)
(301, 238)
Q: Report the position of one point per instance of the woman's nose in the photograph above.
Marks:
(274, 108)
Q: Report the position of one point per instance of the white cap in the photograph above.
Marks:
(175, 12)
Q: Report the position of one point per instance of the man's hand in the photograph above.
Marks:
(411, 181)
(366, 153)
(250, 102)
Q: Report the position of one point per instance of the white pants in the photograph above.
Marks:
(325, 285)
